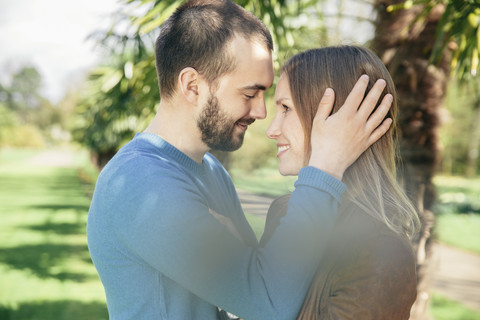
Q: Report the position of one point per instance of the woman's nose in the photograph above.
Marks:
(273, 130)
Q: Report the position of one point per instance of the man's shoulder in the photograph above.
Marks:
(136, 157)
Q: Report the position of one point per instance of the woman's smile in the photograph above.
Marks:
(282, 148)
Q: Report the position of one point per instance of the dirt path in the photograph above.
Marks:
(457, 275)
(53, 158)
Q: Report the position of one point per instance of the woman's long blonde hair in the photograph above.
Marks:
(371, 180)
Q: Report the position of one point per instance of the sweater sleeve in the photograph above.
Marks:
(169, 226)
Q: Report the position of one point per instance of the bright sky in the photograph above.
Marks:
(51, 35)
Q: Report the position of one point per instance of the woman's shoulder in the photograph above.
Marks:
(369, 274)
(386, 256)
(364, 231)
(360, 236)
(376, 268)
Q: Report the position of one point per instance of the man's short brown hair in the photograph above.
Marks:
(196, 36)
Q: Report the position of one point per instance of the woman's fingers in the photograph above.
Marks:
(326, 105)
(338, 140)
(355, 97)
(379, 131)
(370, 101)
(376, 118)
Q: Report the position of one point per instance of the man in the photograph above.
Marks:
(166, 231)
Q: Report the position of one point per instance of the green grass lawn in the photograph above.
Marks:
(45, 268)
(442, 308)
(458, 212)
(459, 230)
(266, 181)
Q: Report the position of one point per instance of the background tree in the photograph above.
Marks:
(416, 45)
(119, 99)
(27, 115)
(461, 129)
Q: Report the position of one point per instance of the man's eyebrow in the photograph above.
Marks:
(255, 87)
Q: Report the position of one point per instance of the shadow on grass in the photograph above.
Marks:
(81, 208)
(47, 260)
(62, 182)
(458, 207)
(58, 228)
(58, 310)
(61, 228)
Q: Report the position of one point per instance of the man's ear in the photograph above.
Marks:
(188, 81)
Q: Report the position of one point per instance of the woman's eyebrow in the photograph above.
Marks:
(280, 100)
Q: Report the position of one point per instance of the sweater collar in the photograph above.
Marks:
(173, 153)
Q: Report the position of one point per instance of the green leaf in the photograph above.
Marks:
(112, 81)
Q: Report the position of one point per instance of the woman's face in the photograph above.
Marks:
(287, 130)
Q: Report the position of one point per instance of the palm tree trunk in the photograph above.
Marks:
(421, 88)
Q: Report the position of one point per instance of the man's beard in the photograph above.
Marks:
(217, 127)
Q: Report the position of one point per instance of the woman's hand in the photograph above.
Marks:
(338, 140)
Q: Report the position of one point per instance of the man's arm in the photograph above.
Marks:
(186, 243)
(172, 230)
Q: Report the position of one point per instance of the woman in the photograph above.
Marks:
(369, 267)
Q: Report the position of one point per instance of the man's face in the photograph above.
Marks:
(237, 99)
(218, 128)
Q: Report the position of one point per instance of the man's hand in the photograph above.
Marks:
(338, 140)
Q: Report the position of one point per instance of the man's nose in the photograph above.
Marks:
(259, 110)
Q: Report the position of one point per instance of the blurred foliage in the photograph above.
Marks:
(458, 212)
(290, 23)
(119, 100)
(458, 194)
(15, 134)
(458, 30)
(25, 116)
(460, 126)
(23, 93)
(22, 136)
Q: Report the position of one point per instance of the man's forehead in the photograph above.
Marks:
(252, 47)
(253, 64)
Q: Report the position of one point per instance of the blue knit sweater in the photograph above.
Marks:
(170, 241)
